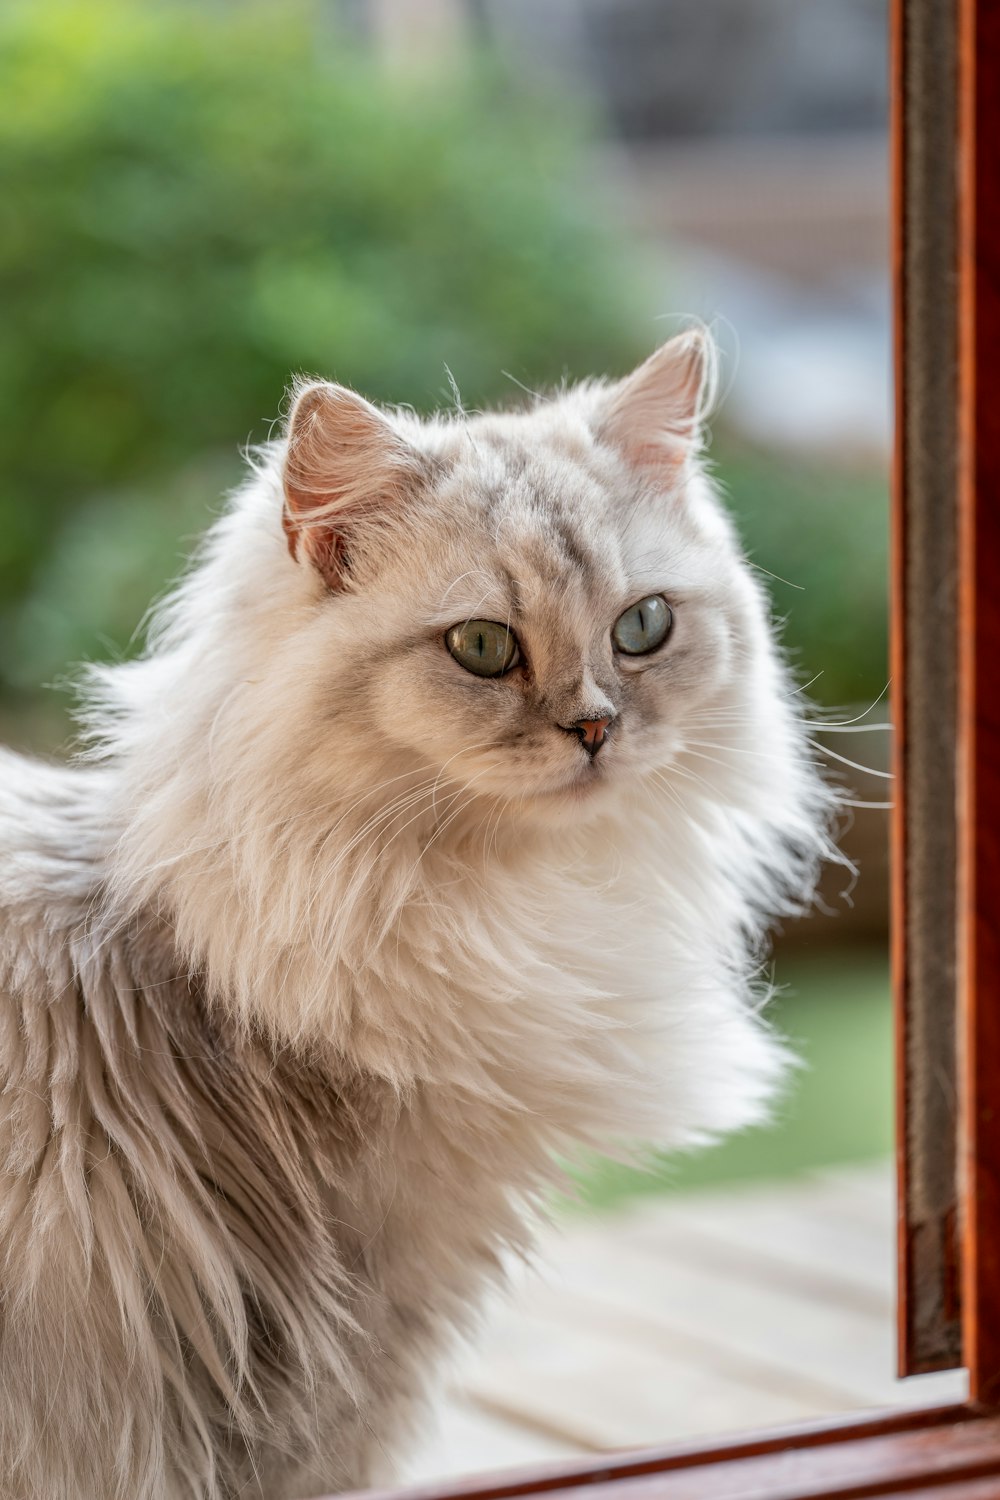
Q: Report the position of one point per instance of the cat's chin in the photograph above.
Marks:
(577, 800)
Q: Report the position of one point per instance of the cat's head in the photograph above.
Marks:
(539, 606)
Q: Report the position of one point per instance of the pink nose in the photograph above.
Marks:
(592, 732)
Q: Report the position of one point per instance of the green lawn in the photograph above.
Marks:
(835, 1009)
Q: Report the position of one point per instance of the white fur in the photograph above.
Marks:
(513, 951)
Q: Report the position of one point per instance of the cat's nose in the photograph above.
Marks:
(592, 733)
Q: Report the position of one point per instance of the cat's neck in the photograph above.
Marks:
(315, 914)
(426, 939)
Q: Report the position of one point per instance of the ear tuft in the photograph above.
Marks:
(345, 464)
(654, 417)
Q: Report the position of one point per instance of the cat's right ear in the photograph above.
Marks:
(345, 464)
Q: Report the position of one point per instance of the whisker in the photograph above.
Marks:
(857, 719)
(854, 765)
(846, 728)
(737, 750)
(777, 576)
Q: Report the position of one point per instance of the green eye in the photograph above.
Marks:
(643, 626)
(483, 647)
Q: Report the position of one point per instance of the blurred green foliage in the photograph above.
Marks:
(820, 534)
(202, 200)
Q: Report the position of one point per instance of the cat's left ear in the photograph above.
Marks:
(345, 466)
(654, 416)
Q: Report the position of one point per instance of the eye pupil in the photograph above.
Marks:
(643, 626)
(484, 647)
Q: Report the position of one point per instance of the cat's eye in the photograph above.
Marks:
(484, 647)
(643, 626)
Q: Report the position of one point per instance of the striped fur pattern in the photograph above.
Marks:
(325, 950)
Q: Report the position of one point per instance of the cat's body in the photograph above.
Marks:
(309, 974)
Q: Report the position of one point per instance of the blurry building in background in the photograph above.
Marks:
(748, 139)
(684, 68)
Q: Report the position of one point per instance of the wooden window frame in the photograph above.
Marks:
(945, 130)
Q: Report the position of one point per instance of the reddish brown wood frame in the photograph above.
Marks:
(979, 687)
(925, 644)
(946, 688)
(952, 1453)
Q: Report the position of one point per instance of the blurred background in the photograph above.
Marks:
(200, 200)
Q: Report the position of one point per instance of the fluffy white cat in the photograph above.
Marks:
(436, 833)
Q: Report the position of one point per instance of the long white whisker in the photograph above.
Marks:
(854, 765)
(860, 716)
(845, 728)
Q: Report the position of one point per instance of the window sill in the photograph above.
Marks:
(948, 1453)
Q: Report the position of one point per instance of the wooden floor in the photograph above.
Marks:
(685, 1315)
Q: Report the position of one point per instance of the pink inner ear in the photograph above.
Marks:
(344, 462)
(666, 453)
(654, 413)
